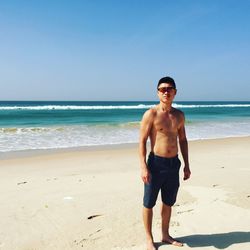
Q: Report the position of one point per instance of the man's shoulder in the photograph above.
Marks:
(179, 114)
(150, 113)
(178, 111)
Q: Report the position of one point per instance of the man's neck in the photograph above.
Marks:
(165, 107)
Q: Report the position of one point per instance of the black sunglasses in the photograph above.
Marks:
(166, 89)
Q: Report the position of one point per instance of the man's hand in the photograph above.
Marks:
(187, 173)
(145, 175)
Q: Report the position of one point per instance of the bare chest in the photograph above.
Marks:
(166, 123)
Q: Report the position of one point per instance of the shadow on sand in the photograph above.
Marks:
(220, 241)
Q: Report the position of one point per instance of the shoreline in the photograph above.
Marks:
(29, 153)
(57, 151)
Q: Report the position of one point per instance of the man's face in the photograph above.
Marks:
(166, 92)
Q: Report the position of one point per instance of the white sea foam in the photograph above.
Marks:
(16, 139)
(113, 107)
(75, 107)
(211, 105)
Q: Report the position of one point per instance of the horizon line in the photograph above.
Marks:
(29, 100)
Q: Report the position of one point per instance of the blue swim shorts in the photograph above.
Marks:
(165, 177)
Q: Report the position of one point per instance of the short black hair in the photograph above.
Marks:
(167, 79)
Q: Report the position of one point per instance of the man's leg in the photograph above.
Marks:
(165, 220)
(166, 215)
(147, 219)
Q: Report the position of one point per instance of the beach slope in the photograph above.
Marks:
(91, 199)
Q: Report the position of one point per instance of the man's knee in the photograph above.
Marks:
(148, 204)
(149, 199)
(169, 198)
(169, 202)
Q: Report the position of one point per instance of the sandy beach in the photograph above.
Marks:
(92, 199)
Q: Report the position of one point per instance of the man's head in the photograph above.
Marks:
(166, 89)
(167, 79)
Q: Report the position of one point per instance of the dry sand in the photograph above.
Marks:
(92, 199)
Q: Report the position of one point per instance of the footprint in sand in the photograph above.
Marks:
(82, 241)
(97, 231)
(187, 211)
(175, 224)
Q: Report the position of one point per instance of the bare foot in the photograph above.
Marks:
(150, 245)
(171, 241)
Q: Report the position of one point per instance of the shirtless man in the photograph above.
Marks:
(164, 125)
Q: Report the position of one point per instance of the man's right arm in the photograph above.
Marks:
(146, 125)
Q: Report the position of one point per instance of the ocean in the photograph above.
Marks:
(28, 125)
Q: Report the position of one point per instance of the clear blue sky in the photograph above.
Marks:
(118, 50)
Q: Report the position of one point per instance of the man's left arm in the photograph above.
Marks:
(184, 147)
